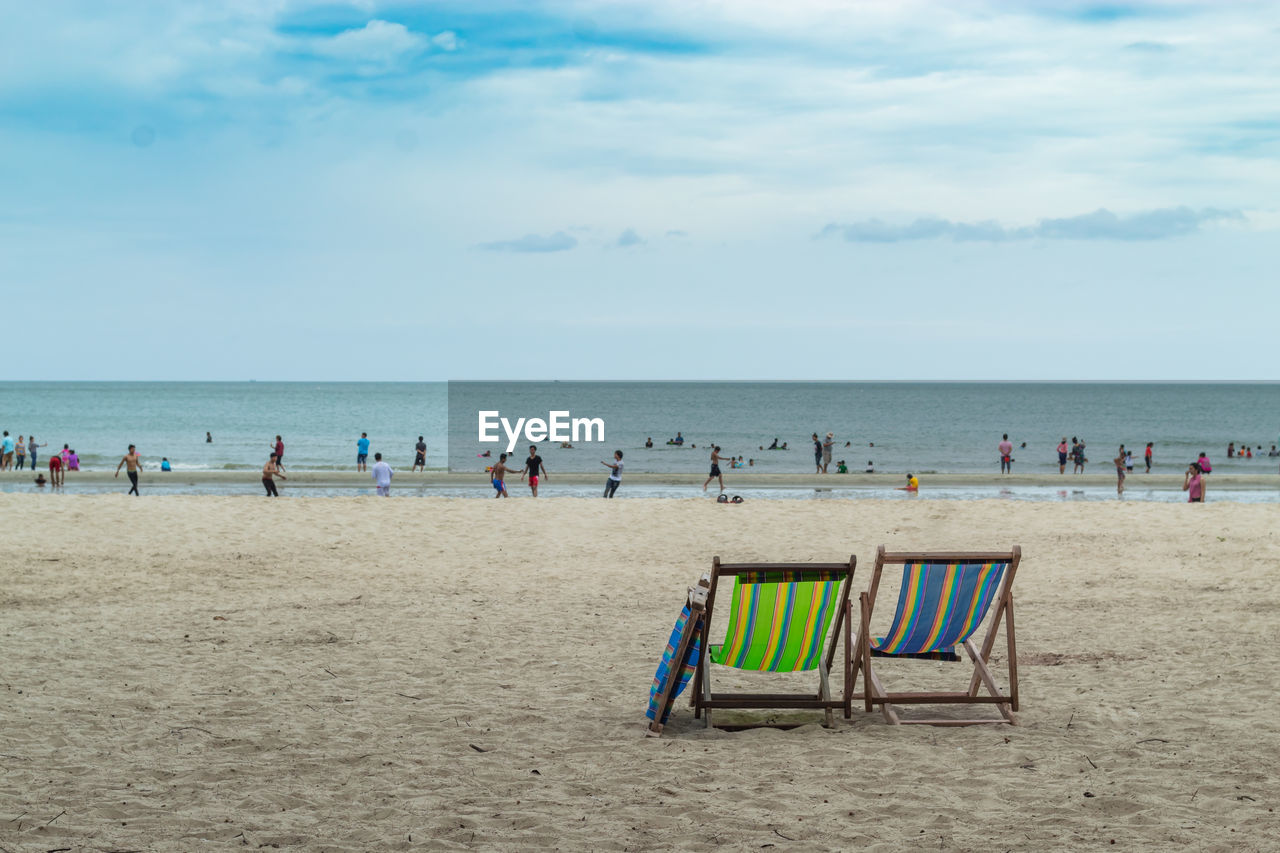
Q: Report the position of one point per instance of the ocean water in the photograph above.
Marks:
(899, 426)
(923, 427)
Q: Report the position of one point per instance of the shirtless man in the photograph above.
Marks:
(535, 468)
(499, 474)
(269, 472)
(716, 459)
(1119, 463)
(133, 462)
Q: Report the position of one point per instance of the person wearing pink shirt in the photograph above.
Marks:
(1193, 484)
(1006, 455)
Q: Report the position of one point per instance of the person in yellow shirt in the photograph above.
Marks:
(913, 484)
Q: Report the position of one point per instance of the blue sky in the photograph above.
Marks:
(869, 190)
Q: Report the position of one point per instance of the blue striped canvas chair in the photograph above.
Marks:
(679, 659)
(779, 618)
(944, 600)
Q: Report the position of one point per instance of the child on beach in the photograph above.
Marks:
(498, 476)
(615, 475)
(20, 450)
(1148, 455)
(913, 484)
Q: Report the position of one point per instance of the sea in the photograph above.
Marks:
(921, 427)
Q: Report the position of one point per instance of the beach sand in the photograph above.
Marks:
(189, 673)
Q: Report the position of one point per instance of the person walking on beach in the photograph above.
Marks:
(132, 462)
(382, 475)
(817, 454)
(278, 449)
(31, 450)
(362, 452)
(419, 456)
(615, 475)
(716, 459)
(535, 468)
(1062, 456)
(1119, 463)
(826, 451)
(498, 476)
(1148, 455)
(6, 454)
(1006, 454)
(1193, 484)
(269, 473)
(20, 451)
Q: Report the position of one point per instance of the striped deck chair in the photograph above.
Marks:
(680, 656)
(779, 616)
(943, 601)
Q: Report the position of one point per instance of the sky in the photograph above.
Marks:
(262, 189)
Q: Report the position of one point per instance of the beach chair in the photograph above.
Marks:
(779, 615)
(679, 659)
(943, 601)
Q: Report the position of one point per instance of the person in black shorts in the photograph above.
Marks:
(420, 455)
(716, 458)
(535, 468)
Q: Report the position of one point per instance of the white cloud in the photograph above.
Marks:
(382, 42)
(447, 40)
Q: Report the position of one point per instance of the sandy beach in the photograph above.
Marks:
(190, 673)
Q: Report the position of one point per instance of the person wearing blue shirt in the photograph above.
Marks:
(164, 465)
(362, 452)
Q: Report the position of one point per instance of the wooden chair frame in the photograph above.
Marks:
(703, 699)
(1001, 609)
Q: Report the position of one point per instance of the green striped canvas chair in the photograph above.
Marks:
(943, 601)
(779, 618)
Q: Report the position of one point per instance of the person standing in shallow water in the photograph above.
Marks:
(419, 456)
(362, 452)
(1119, 463)
(133, 462)
(32, 449)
